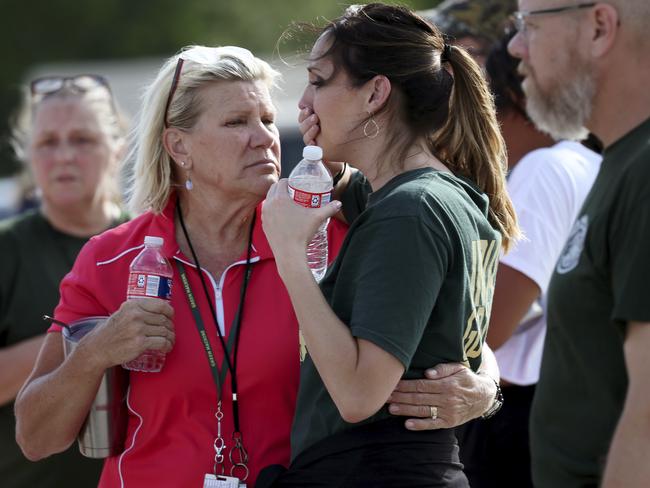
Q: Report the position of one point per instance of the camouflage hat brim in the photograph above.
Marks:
(484, 19)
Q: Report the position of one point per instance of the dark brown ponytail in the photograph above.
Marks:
(470, 142)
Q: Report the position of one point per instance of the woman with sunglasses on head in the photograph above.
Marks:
(206, 152)
(72, 138)
(412, 284)
(205, 155)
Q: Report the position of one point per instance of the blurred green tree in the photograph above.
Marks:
(65, 30)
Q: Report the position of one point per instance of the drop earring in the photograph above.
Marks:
(188, 181)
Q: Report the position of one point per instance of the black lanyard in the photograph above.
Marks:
(219, 375)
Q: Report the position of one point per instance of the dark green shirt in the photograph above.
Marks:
(34, 257)
(600, 284)
(415, 276)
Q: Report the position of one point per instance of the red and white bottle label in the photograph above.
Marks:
(147, 285)
(309, 200)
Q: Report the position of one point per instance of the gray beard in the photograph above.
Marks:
(563, 115)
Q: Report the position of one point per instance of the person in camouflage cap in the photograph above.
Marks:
(473, 24)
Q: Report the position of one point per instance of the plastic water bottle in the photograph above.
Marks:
(310, 185)
(150, 276)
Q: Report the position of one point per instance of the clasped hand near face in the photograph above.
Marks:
(289, 227)
(139, 325)
(309, 126)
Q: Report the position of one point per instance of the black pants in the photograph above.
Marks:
(375, 455)
(496, 451)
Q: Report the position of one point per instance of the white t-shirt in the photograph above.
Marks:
(547, 188)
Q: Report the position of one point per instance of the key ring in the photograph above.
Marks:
(241, 466)
(238, 457)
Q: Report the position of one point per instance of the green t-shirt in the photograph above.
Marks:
(415, 275)
(599, 284)
(34, 258)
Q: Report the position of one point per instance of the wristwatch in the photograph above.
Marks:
(497, 403)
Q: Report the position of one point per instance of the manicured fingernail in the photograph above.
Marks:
(393, 408)
(410, 425)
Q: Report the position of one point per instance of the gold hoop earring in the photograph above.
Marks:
(371, 128)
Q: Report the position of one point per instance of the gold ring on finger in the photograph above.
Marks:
(434, 413)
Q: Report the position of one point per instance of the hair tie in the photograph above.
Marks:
(445, 55)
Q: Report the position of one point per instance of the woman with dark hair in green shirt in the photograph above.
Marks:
(412, 284)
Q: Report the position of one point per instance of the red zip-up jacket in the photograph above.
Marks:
(172, 427)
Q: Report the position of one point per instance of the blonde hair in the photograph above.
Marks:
(151, 182)
(99, 100)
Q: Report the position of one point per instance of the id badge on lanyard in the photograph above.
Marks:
(212, 481)
(238, 455)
